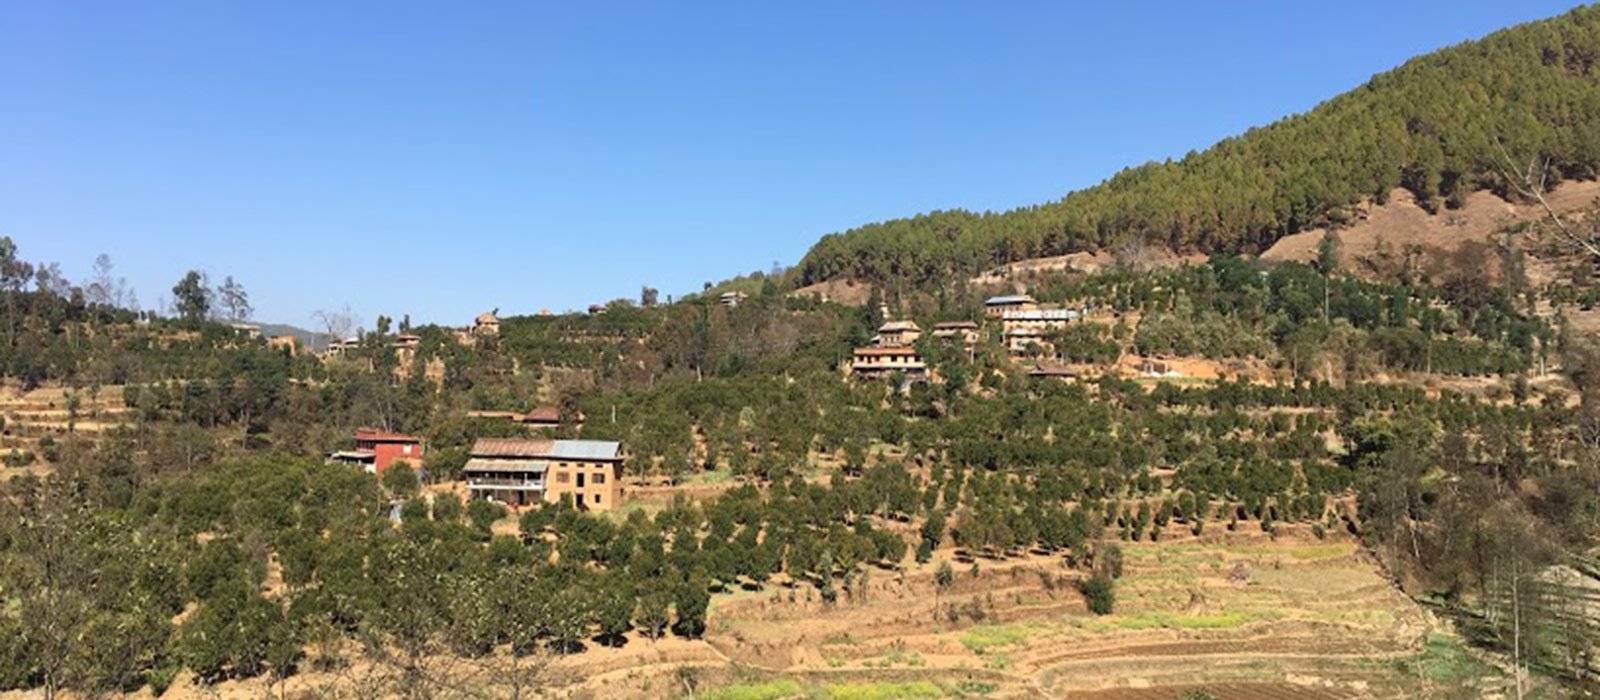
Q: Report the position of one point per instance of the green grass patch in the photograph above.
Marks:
(976, 687)
(982, 638)
(896, 656)
(885, 691)
(1444, 660)
(1149, 620)
(766, 690)
(1331, 550)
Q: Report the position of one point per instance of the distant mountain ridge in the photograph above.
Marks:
(310, 339)
(1442, 126)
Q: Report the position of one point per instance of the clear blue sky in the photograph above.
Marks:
(444, 158)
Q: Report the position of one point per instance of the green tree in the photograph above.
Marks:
(191, 297)
(1098, 592)
(400, 480)
(690, 601)
(484, 514)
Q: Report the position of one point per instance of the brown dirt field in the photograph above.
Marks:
(844, 291)
(1060, 264)
(1018, 274)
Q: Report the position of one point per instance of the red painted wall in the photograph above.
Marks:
(385, 452)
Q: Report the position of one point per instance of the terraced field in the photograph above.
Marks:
(1236, 615)
(55, 414)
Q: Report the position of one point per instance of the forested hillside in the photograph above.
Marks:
(1441, 126)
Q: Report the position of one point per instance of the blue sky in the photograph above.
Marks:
(440, 159)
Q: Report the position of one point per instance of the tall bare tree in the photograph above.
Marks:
(1531, 182)
(105, 288)
(235, 300)
(338, 324)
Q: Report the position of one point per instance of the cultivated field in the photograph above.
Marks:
(1233, 614)
(1237, 614)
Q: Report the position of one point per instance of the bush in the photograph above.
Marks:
(1109, 561)
(18, 459)
(445, 464)
(484, 514)
(400, 479)
(414, 510)
(446, 508)
(1098, 593)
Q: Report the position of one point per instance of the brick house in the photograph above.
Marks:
(376, 450)
(521, 472)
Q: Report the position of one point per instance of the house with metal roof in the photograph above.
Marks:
(521, 472)
(1024, 329)
(993, 307)
(1036, 320)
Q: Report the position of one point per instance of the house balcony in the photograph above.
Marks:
(496, 484)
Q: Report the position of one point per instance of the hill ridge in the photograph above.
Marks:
(1435, 125)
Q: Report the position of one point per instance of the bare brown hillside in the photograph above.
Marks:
(845, 291)
(1382, 236)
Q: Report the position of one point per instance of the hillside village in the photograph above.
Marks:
(1327, 434)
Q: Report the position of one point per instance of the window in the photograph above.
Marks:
(597, 499)
(561, 477)
(599, 478)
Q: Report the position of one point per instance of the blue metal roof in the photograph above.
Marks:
(586, 449)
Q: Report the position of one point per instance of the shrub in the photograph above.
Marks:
(446, 508)
(1098, 593)
(1109, 561)
(400, 479)
(484, 514)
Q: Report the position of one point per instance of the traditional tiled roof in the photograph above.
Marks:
(591, 450)
(896, 326)
(511, 447)
(542, 414)
(383, 436)
(955, 325)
